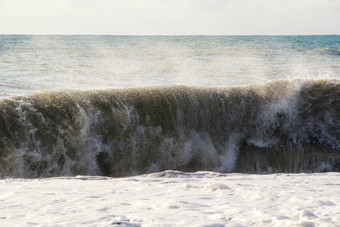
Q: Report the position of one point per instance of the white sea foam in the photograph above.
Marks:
(173, 198)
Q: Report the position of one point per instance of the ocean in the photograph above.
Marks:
(127, 105)
(197, 126)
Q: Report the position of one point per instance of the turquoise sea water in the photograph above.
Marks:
(30, 64)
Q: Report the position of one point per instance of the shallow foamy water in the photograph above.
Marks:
(173, 199)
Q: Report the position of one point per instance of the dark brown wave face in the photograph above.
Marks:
(283, 126)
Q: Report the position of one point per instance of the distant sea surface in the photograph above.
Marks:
(30, 64)
(127, 105)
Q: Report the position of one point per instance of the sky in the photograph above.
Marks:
(170, 17)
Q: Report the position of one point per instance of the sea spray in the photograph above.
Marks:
(281, 126)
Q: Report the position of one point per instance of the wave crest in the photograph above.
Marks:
(281, 126)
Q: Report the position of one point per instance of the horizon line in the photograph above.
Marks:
(89, 34)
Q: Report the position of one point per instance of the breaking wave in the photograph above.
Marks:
(281, 126)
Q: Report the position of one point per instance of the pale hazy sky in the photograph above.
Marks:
(170, 17)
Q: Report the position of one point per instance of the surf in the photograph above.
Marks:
(278, 126)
